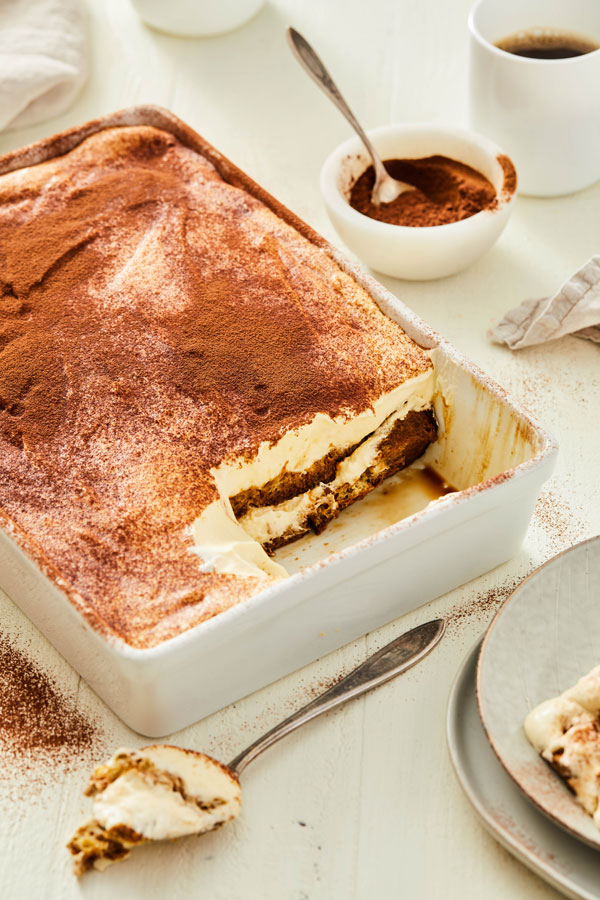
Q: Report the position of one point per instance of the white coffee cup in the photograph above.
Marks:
(545, 113)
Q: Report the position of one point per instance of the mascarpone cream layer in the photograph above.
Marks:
(568, 725)
(264, 523)
(156, 811)
(224, 545)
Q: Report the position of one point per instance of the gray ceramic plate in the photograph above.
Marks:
(544, 638)
(564, 862)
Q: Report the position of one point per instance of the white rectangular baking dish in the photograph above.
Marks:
(489, 448)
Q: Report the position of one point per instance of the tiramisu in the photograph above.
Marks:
(565, 730)
(188, 380)
(157, 793)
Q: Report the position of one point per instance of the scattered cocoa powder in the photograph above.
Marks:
(39, 724)
(556, 518)
(446, 191)
(481, 607)
(562, 527)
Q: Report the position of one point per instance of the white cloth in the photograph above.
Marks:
(573, 309)
(43, 59)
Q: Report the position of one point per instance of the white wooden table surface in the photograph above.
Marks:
(363, 802)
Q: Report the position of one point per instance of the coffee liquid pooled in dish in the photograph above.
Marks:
(446, 191)
(543, 44)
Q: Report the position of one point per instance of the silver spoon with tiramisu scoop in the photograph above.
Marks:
(163, 792)
(386, 188)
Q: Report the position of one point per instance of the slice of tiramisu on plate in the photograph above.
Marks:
(157, 793)
(565, 730)
(187, 382)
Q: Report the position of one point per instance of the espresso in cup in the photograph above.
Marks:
(534, 88)
(543, 44)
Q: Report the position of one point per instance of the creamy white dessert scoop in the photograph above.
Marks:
(154, 794)
(162, 792)
(565, 731)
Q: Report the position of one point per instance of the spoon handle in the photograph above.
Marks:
(309, 60)
(393, 659)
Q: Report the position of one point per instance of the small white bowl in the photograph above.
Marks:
(196, 18)
(416, 253)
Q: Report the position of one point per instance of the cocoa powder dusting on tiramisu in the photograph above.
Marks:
(155, 320)
(41, 727)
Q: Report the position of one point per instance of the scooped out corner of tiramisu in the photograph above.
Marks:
(320, 470)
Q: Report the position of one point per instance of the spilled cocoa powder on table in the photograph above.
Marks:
(559, 521)
(446, 191)
(40, 726)
(482, 607)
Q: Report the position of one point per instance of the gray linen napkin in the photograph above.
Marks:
(573, 309)
(43, 59)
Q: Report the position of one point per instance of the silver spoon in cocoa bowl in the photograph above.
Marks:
(386, 188)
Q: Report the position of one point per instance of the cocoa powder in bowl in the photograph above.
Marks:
(446, 191)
